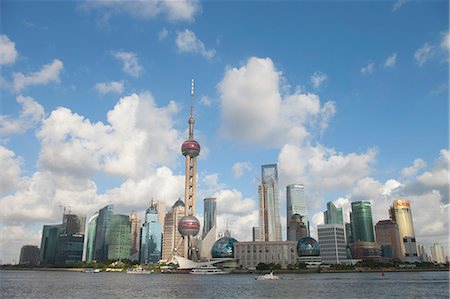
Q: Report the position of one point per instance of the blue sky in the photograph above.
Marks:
(349, 98)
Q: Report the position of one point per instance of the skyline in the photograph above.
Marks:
(350, 99)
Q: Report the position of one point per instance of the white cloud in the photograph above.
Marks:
(232, 202)
(31, 114)
(368, 69)
(180, 10)
(204, 100)
(254, 111)
(113, 86)
(412, 170)
(130, 64)
(445, 42)
(13, 238)
(48, 73)
(424, 54)
(317, 79)
(187, 42)
(8, 53)
(11, 170)
(398, 4)
(391, 60)
(162, 35)
(240, 167)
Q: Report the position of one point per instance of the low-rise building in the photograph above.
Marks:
(250, 254)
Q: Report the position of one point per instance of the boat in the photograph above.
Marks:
(207, 270)
(269, 276)
(139, 271)
(92, 271)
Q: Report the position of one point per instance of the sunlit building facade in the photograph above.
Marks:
(332, 243)
(135, 236)
(90, 243)
(171, 234)
(333, 215)
(388, 237)
(250, 254)
(361, 221)
(151, 236)
(296, 203)
(400, 213)
(269, 206)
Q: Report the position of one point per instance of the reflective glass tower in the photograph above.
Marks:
(400, 213)
(209, 214)
(49, 243)
(90, 244)
(333, 215)
(296, 204)
(269, 206)
(102, 233)
(362, 224)
(119, 237)
(151, 235)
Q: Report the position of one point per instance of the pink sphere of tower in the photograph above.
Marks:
(190, 148)
(189, 226)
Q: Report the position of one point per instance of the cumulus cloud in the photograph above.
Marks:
(11, 170)
(240, 167)
(48, 73)
(368, 69)
(232, 202)
(391, 60)
(424, 54)
(254, 110)
(187, 42)
(317, 79)
(163, 34)
(398, 4)
(418, 164)
(130, 64)
(31, 114)
(8, 53)
(106, 87)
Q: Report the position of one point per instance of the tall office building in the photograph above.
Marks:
(102, 233)
(269, 206)
(74, 224)
(119, 237)
(400, 213)
(151, 236)
(332, 243)
(209, 227)
(29, 255)
(69, 248)
(333, 215)
(135, 237)
(437, 254)
(362, 224)
(388, 237)
(296, 203)
(49, 243)
(90, 243)
(296, 229)
(171, 234)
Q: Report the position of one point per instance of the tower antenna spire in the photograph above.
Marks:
(191, 115)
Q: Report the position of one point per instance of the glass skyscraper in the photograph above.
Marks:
(49, 243)
(119, 237)
(400, 213)
(151, 236)
(210, 211)
(74, 224)
(102, 233)
(90, 244)
(333, 215)
(362, 224)
(269, 206)
(296, 204)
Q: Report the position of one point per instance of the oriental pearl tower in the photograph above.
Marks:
(189, 226)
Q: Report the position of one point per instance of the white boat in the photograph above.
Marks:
(269, 276)
(92, 271)
(207, 270)
(139, 271)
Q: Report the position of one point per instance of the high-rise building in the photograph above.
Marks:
(388, 237)
(333, 215)
(119, 237)
(151, 235)
(400, 213)
(411, 255)
(362, 224)
(74, 224)
(296, 203)
(332, 243)
(29, 255)
(296, 229)
(256, 234)
(90, 243)
(269, 206)
(437, 254)
(102, 233)
(422, 253)
(69, 248)
(209, 227)
(135, 236)
(49, 243)
(171, 234)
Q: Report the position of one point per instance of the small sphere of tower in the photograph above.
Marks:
(189, 226)
(190, 148)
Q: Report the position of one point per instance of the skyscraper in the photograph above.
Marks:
(102, 233)
(269, 206)
(74, 224)
(171, 234)
(437, 254)
(119, 237)
(49, 243)
(332, 243)
(209, 227)
(135, 236)
(333, 215)
(151, 235)
(362, 224)
(296, 203)
(29, 255)
(90, 244)
(400, 213)
(388, 237)
(296, 229)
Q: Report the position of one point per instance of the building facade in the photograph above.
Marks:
(171, 234)
(368, 251)
(388, 237)
(69, 249)
(437, 254)
(250, 254)
(296, 229)
(332, 243)
(296, 203)
(333, 215)
(400, 213)
(102, 233)
(49, 243)
(135, 237)
(119, 237)
(151, 236)
(269, 206)
(209, 235)
(29, 255)
(90, 243)
(362, 224)
(74, 224)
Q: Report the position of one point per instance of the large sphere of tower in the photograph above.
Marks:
(190, 148)
(189, 226)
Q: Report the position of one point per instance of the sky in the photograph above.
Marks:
(349, 98)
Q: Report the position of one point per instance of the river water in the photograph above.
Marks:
(58, 284)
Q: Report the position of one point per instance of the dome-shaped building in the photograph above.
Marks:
(223, 248)
(307, 246)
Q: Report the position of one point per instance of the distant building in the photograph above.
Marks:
(69, 249)
(49, 242)
(256, 234)
(332, 243)
(400, 213)
(388, 237)
(362, 224)
(269, 205)
(422, 253)
(171, 234)
(333, 215)
(209, 227)
(151, 236)
(410, 245)
(29, 255)
(437, 254)
(369, 251)
(119, 237)
(296, 229)
(296, 203)
(90, 243)
(102, 233)
(74, 224)
(250, 254)
(135, 236)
